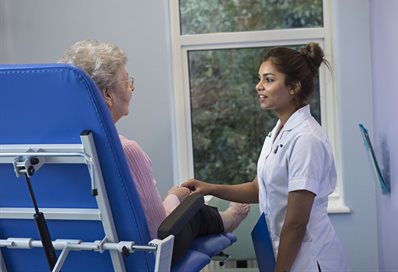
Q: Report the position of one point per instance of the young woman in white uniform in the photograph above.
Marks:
(295, 171)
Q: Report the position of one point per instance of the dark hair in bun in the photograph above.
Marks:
(314, 55)
(298, 66)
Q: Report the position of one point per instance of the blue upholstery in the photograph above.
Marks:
(211, 244)
(53, 104)
(192, 261)
(231, 237)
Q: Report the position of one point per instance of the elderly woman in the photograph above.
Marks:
(105, 64)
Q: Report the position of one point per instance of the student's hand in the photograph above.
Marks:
(197, 186)
(180, 192)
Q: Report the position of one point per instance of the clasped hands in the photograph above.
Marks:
(191, 186)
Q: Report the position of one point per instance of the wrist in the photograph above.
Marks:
(214, 189)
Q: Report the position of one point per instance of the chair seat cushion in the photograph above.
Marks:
(213, 244)
(192, 261)
(232, 237)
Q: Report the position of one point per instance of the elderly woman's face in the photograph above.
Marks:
(121, 94)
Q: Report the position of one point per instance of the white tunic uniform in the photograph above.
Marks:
(300, 158)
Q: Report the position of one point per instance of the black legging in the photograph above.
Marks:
(206, 221)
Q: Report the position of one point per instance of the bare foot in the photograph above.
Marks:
(235, 214)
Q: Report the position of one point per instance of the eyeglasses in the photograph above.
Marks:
(130, 80)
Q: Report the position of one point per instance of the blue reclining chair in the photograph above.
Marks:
(60, 156)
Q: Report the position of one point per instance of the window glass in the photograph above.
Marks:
(228, 127)
(199, 16)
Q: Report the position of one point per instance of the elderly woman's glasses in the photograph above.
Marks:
(130, 80)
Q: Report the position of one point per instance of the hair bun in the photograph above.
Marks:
(314, 54)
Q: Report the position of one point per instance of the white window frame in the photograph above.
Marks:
(182, 44)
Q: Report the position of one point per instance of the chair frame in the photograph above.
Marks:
(50, 135)
(85, 153)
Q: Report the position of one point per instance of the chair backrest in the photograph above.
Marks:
(53, 104)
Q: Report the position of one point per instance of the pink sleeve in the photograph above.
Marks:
(141, 169)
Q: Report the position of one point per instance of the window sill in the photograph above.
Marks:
(336, 206)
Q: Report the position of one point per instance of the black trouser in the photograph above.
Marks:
(206, 221)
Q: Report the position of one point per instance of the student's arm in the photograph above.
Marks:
(244, 193)
(298, 212)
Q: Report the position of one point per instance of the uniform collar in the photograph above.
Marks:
(297, 118)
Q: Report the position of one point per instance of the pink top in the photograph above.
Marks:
(140, 165)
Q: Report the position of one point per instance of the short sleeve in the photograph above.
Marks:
(306, 164)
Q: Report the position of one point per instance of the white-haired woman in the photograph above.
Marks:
(106, 63)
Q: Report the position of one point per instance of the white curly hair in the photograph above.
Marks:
(100, 60)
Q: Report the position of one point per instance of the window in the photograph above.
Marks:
(199, 17)
(217, 47)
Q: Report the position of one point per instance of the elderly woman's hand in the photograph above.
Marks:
(198, 187)
(180, 192)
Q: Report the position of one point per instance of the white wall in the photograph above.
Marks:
(40, 30)
(385, 133)
(351, 41)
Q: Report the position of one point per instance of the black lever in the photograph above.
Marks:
(41, 225)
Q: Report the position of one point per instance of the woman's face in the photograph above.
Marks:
(119, 96)
(272, 92)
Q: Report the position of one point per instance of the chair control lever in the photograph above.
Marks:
(26, 166)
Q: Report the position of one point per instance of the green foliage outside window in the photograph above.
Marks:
(210, 16)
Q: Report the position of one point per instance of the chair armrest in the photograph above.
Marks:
(180, 216)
